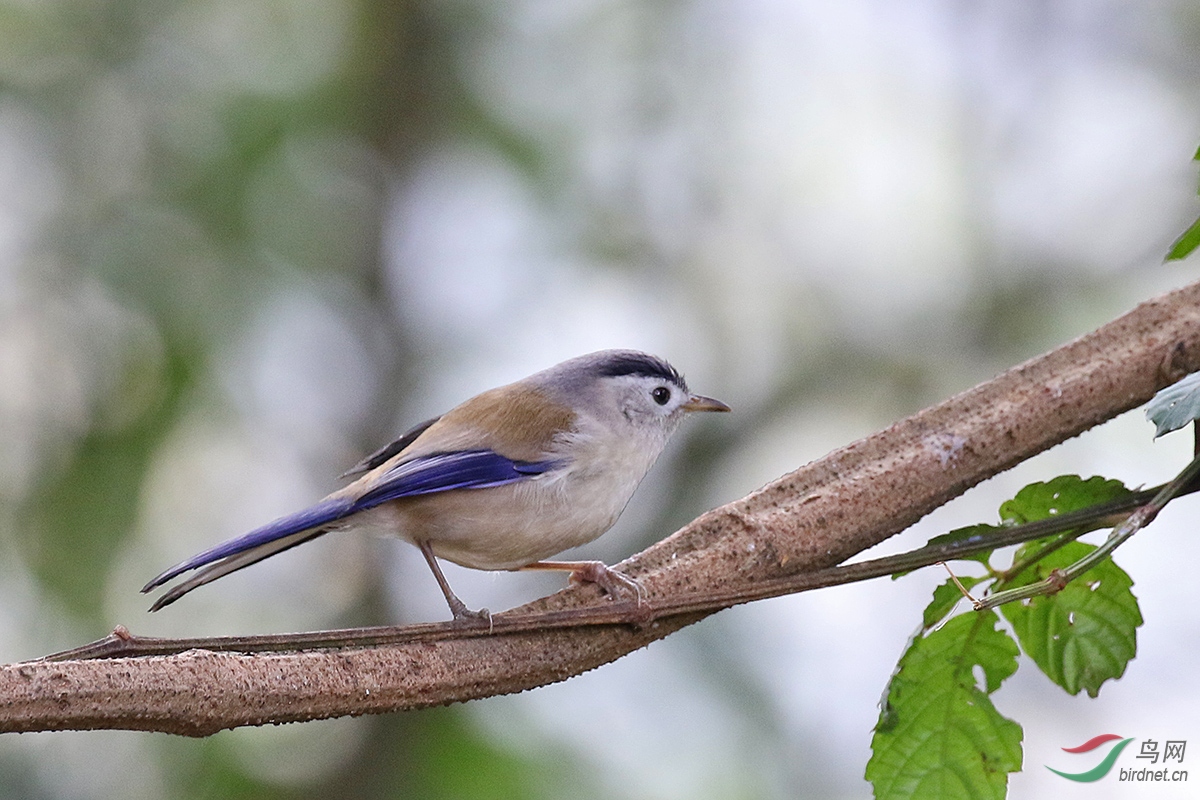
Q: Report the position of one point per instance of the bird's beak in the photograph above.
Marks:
(700, 403)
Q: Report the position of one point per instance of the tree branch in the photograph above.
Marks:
(810, 519)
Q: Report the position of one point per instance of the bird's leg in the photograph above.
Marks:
(607, 578)
(457, 607)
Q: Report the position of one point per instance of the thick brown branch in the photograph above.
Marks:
(812, 518)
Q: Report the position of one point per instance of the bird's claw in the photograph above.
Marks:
(608, 579)
(466, 616)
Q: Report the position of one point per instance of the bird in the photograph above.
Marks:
(502, 481)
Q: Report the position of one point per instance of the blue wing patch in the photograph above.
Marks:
(440, 472)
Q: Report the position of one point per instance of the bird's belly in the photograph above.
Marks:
(503, 527)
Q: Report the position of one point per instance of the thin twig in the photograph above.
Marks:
(1062, 541)
(122, 644)
(1141, 517)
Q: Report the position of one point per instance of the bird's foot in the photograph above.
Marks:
(466, 616)
(607, 578)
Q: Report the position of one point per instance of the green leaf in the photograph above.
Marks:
(1084, 634)
(1175, 406)
(1186, 243)
(939, 734)
(1058, 496)
(945, 598)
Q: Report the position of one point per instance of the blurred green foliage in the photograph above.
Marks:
(203, 150)
(88, 506)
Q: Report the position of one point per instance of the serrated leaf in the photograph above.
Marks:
(940, 736)
(1175, 406)
(1058, 496)
(945, 598)
(1084, 634)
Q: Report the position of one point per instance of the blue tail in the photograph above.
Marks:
(323, 513)
(439, 472)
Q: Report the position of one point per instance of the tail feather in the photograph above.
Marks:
(256, 545)
(235, 562)
(437, 472)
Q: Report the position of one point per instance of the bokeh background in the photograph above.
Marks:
(242, 243)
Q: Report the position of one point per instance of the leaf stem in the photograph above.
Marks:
(958, 583)
(1006, 576)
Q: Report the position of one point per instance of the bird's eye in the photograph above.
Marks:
(661, 395)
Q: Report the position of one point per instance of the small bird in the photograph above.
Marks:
(501, 482)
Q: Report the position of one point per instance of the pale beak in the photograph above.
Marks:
(700, 403)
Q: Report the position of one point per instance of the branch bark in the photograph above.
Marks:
(812, 518)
